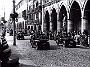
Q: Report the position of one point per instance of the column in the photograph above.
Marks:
(43, 22)
(84, 23)
(58, 22)
(42, 16)
(69, 25)
(50, 23)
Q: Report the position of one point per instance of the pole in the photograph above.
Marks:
(27, 17)
(14, 39)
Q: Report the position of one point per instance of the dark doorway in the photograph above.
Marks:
(63, 18)
(87, 16)
(47, 21)
(75, 16)
(54, 20)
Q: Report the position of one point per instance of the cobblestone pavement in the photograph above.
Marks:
(55, 57)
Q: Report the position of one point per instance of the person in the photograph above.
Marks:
(77, 38)
(85, 33)
(84, 39)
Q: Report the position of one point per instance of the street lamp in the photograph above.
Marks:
(13, 16)
(14, 39)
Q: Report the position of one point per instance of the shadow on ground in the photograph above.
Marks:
(54, 47)
(22, 65)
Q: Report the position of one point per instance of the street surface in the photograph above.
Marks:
(57, 56)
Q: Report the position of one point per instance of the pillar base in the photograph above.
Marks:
(14, 44)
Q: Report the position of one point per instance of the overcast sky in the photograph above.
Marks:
(7, 4)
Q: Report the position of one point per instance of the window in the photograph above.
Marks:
(31, 27)
(37, 4)
(28, 27)
(36, 15)
(24, 14)
(40, 8)
(30, 17)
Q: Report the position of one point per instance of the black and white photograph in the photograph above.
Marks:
(44, 33)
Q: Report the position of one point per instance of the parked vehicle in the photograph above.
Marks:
(69, 42)
(39, 42)
(20, 35)
(66, 40)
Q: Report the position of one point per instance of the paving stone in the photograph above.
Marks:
(59, 57)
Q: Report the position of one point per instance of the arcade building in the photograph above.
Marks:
(73, 15)
(52, 15)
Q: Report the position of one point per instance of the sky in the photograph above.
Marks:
(6, 5)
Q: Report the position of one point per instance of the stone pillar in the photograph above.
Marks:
(69, 25)
(43, 22)
(84, 23)
(50, 23)
(58, 22)
(42, 17)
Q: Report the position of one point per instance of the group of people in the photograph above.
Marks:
(77, 36)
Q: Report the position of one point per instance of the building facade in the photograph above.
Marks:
(53, 15)
(73, 15)
(21, 9)
(30, 15)
(35, 15)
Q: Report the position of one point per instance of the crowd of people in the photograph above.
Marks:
(78, 37)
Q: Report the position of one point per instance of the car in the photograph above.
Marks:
(20, 35)
(39, 42)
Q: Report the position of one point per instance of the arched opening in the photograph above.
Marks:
(47, 21)
(75, 17)
(63, 18)
(54, 20)
(87, 17)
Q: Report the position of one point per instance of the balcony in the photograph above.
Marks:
(49, 3)
(35, 10)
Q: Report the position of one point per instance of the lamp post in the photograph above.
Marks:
(14, 39)
(13, 16)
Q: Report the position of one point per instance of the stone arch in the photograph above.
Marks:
(75, 17)
(63, 18)
(87, 17)
(63, 4)
(54, 20)
(84, 4)
(78, 1)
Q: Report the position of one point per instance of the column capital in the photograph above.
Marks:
(83, 17)
(69, 19)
